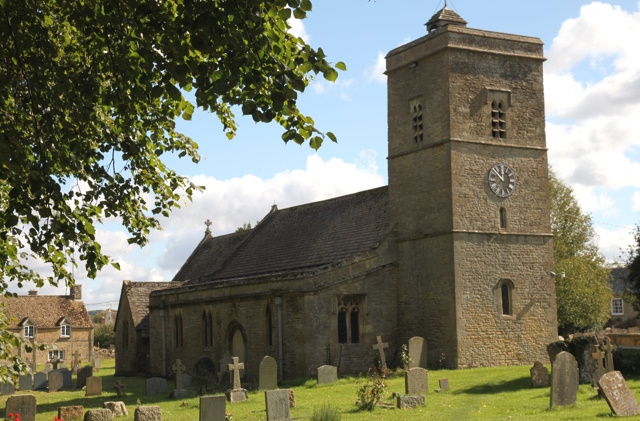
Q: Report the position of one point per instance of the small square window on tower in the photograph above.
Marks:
(499, 101)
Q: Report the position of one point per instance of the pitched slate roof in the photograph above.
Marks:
(618, 281)
(297, 239)
(445, 16)
(138, 296)
(46, 310)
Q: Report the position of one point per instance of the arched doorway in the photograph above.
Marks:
(237, 343)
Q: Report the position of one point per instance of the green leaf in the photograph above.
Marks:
(330, 74)
(306, 5)
(341, 66)
(332, 137)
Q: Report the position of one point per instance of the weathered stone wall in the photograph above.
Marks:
(125, 356)
(81, 340)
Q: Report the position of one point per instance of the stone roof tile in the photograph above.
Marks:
(46, 310)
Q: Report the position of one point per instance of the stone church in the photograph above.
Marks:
(456, 249)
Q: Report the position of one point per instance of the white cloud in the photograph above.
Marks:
(298, 29)
(613, 242)
(375, 73)
(321, 86)
(635, 199)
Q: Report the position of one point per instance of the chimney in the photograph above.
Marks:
(76, 292)
(33, 292)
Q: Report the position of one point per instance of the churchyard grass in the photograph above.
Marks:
(481, 393)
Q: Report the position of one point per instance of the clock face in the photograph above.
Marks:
(502, 180)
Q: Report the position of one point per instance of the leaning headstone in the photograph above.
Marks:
(618, 395)
(7, 389)
(94, 386)
(98, 414)
(156, 386)
(564, 380)
(416, 381)
(147, 413)
(539, 375)
(25, 405)
(380, 346)
(40, 381)
(444, 384)
(277, 403)
(268, 374)
(327, 374)
(55, 381)
(237, 394)
(83, 373)
(68, 413)
(118, 409)
(212, 408)
(410, 401)
(26, 382)
(418, 352)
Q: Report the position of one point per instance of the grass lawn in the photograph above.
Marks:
(499, 393)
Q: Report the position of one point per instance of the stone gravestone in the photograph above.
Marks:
(118, 409)
(416, 381)
(444, 384)
(564, 380)
(95, 362)
(56, 382)
(237, 394)
(25, 405)
(618, 395)
(179, 391)
(68, 413)
(212, 408)
(410, 401)
(224, 369)
(380, 346)
(75, 363)
(40, 381)
(147, 413)
(118, 387)
(609, 348)
(599, 371)
(268, 374)
(67, 381)
(277, 402)
(7, 389)
(418, 352)
(98, 414)
(327, 374)
(63, 366)
(83, 374)
(55, 361)
(26, 382)
(94, 386)
(539, 375)
(156, 386)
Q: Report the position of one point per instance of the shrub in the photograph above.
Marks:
(103, 335)
(371, 391)
(326, 412)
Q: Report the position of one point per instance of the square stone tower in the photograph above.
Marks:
(468, 190)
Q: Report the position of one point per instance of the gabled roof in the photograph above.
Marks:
(138, 296)
(295, 239)
(618, 281)
(46, 310)
(443, 17)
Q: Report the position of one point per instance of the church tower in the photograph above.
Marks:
(468, 192)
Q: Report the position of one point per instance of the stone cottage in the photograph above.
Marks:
(62, 320)
(457, 248)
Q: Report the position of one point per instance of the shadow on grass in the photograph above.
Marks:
(499, 387)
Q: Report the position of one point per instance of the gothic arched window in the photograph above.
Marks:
(506, 297)
(269, 327)
(342, 325)
(355, 325)
(503, 218)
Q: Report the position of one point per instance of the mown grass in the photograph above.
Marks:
(499, 393)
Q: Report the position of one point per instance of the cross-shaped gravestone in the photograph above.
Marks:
(236, 367)
(178, 368)
(118, 387)
(55, 361)
(76, 360)
(609, 347)
(380, 346)
(597, 356)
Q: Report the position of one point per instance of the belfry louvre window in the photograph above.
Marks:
(417, 123)
(498, 119)
(617, 308)
(349, 309)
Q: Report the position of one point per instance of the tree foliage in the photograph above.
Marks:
(633, 266)
(89, 94)
(582, 288)
(103, 335)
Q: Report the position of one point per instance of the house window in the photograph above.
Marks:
(179, 333)
(349, 308)
(65, 331)
(506, 297)
(56, 353)
(617, 309)
(29, 331)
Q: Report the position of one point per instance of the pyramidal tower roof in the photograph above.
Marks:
(444, 17)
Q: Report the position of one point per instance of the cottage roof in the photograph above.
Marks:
(295, 239)
(138, 296)
(46, 310)
(619, 282)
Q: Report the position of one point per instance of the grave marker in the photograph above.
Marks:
(147, 413)
(444, 384)
(418, 352)
(94, 386)
(156, 386)
(179, 391)
(7, 389)
(55, 381)
(118, 409)
(98, 414)
(83, 374)
(212, 408)
(380, 346)
(118, 387)
(410, 401)
(25, 405)
(237, 394)
(618, 395)
(564, 380)
(327, 374)
(268, 374)
(277, 403)
(40, 381)
(68, 413)
(539, 375)
(609, 348)
(26, 382)
(416, 381)
(55, 361)
(598, 356)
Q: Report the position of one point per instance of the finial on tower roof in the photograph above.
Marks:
(444, 17)
(208, 224)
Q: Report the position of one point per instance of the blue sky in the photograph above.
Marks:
(592, 94)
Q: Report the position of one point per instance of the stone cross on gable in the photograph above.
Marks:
(236, 367)
(380, 346)
(118, 387)
(178, 368)
(208, 224)
(609, 347)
